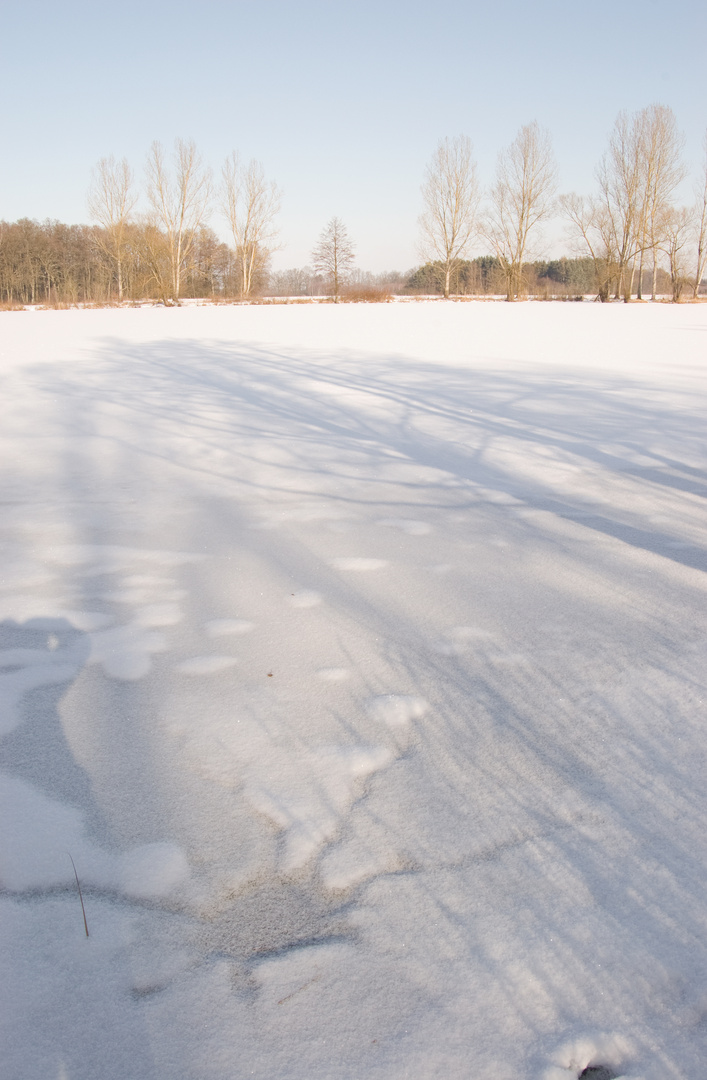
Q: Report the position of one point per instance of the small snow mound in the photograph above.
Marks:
(407, 525)
(153, 870)
(397, 710)
(334, 674)
(358, 565)
(223, 627)
(413, 528)
(205, 665)
(600, 1057)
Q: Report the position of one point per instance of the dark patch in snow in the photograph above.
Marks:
(273, 918)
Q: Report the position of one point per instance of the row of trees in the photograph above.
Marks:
(623, 234)
(49, 262)
(165, 240)
(629, 223)
(486, 276)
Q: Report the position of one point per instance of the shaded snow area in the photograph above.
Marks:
(356, 656)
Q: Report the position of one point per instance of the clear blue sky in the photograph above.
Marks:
(342, 102)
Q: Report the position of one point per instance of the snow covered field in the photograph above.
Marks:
(357, 657)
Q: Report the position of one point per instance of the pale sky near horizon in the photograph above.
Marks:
(342, 103)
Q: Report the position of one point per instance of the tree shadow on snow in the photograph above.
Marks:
(558, 756)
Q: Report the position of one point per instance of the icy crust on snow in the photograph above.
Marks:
(355, 655)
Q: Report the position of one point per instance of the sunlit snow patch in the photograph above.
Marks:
(397, 710)
(224, 627)
(407, 525)
(604, 1051)
(205, 665)
(333, 674)
(358, 565)
(306, 598)
(37, 833)
(152, 871)
(307, 798)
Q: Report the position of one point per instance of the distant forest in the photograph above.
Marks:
(49, 263)
(628, 237)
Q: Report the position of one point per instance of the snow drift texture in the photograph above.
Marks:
(357, 658)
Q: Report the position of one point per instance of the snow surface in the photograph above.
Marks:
(356, 655)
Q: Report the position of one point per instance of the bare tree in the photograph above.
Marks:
(111, 201)
(620, 175)
(592, 228)
(701, 220)
(334, 255)
(521, 197)
(637, 177)
(676, 228)
(179, 204)
(251, 205)
(450, 195)
(661, 146)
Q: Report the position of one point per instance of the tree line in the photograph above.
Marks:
(628, 237)
(628, 224)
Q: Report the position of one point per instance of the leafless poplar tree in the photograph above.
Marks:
(450, 195)
(179, 206)
(701, 221)
(111, 201)
(637, 177)
(621, 183)
(334, 255)
(661, 147)
(251, 205)
(521, 197)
